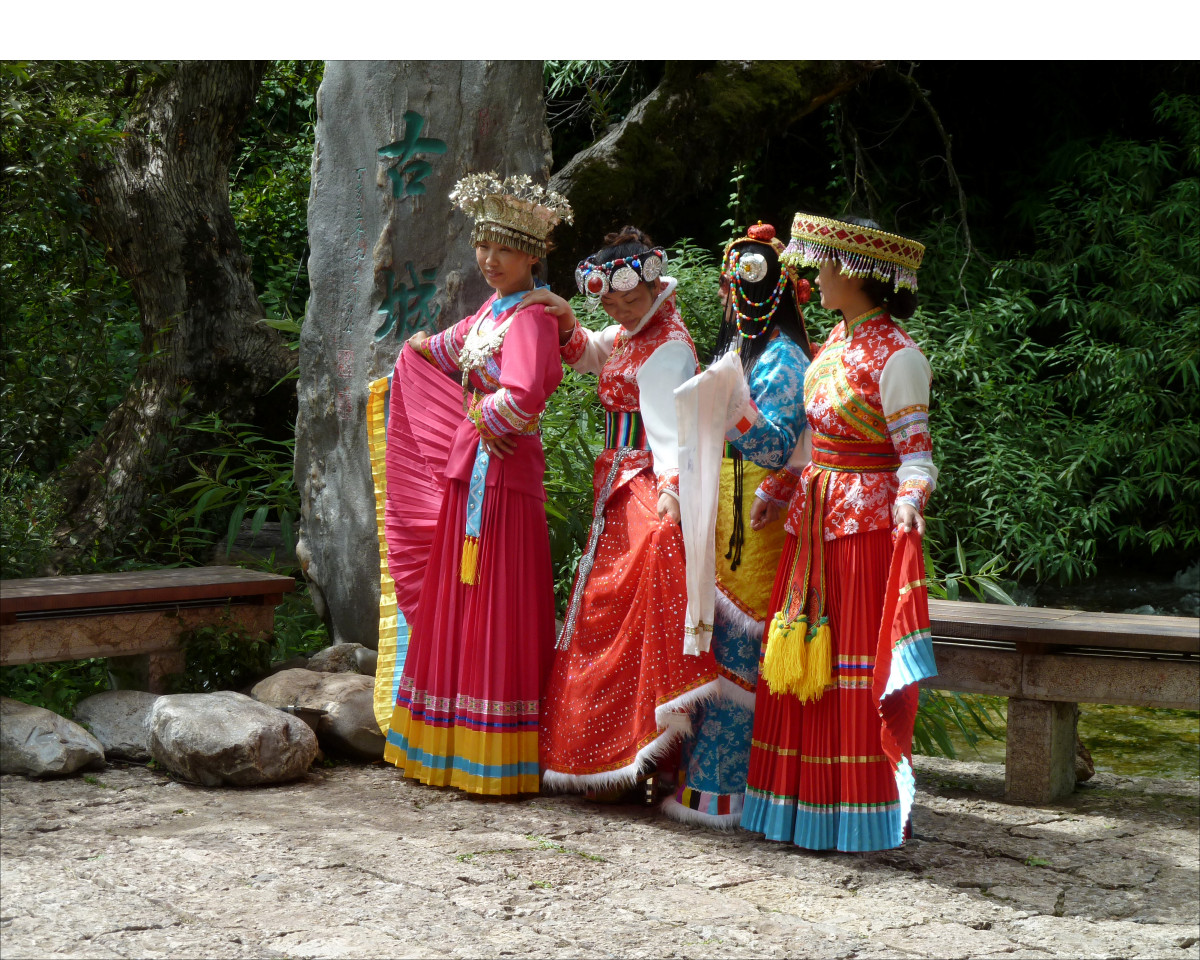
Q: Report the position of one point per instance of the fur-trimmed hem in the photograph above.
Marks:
(673, 715)
(625, 776)
(716, 821)
(674, 724)
(731, 613)
(740, 695)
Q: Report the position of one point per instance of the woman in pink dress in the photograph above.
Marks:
(482, 636)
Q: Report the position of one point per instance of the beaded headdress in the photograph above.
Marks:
(596, 279)
(744, 264)
(514, 211)
(861, 251)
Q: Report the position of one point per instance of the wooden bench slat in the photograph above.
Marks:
(134, 587)
(1043, 625)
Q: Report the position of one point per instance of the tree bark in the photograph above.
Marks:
(678, 143)
(161, 207)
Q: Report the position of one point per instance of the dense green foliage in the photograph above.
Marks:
(70, 326)
(1067, 410)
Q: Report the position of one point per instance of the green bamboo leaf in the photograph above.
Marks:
(235, 524)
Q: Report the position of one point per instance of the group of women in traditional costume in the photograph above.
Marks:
(748, 619)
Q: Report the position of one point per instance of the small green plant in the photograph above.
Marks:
(221, 656)
(243, 473)
(1037, 862)
(55, 686)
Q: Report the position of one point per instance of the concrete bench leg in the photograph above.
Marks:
(145, 671)
(1040, 753)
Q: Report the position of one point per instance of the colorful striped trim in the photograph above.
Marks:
(771, 748)
(713, 804)
(912, 660)
(500, 708)
(442, 350)
(829, 761)
(501, 416)
(624, 428)
(475, 773)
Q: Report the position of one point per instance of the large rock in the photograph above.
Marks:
(340, 658)
(348, 726)
(228, 739)
(117, 718)
(390, 255)
(39, 743)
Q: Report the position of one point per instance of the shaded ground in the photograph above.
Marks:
(355, 861)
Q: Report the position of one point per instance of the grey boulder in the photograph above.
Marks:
(39, 743)
(340, 658)
(348, 726)
(228, 739)
(117, 718)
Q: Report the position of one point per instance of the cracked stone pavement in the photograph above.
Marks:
(354, 861)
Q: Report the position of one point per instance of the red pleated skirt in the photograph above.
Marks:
(468, 708)
(818, 776)
(617, 692)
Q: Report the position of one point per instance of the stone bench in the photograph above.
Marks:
(1046, 662)
(135, 618)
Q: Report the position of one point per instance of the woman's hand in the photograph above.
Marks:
(416, 340)
(763, 513)
(907, 516)
(668, 506)
(556, 306)
(499, 446)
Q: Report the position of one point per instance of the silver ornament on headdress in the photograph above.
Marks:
(752, 267)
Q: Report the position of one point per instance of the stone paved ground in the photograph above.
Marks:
(356, 862)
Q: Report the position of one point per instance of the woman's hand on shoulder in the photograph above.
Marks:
(555, 305)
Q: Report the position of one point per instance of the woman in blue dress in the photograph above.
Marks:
(763, 325)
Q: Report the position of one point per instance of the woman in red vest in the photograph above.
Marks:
(830, 766)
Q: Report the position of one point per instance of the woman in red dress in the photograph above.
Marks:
(482, 635)
(830, 765)
(621, 681)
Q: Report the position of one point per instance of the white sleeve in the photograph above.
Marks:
(596, 350)
(670, 366)
(904, 393)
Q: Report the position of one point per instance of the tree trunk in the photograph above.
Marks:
(161, 207)
(677, 145)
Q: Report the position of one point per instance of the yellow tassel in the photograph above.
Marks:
(820, 664)
(470, 560)
(783, 665)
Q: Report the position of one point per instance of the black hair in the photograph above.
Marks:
(626, 242)
(900, 302)
(787, 318)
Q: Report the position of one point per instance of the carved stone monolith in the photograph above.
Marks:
(389, 256)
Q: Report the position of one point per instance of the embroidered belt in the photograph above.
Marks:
(841, 455)
(624, 429)
(799, 654)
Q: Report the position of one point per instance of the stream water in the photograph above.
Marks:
(1128, 741)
